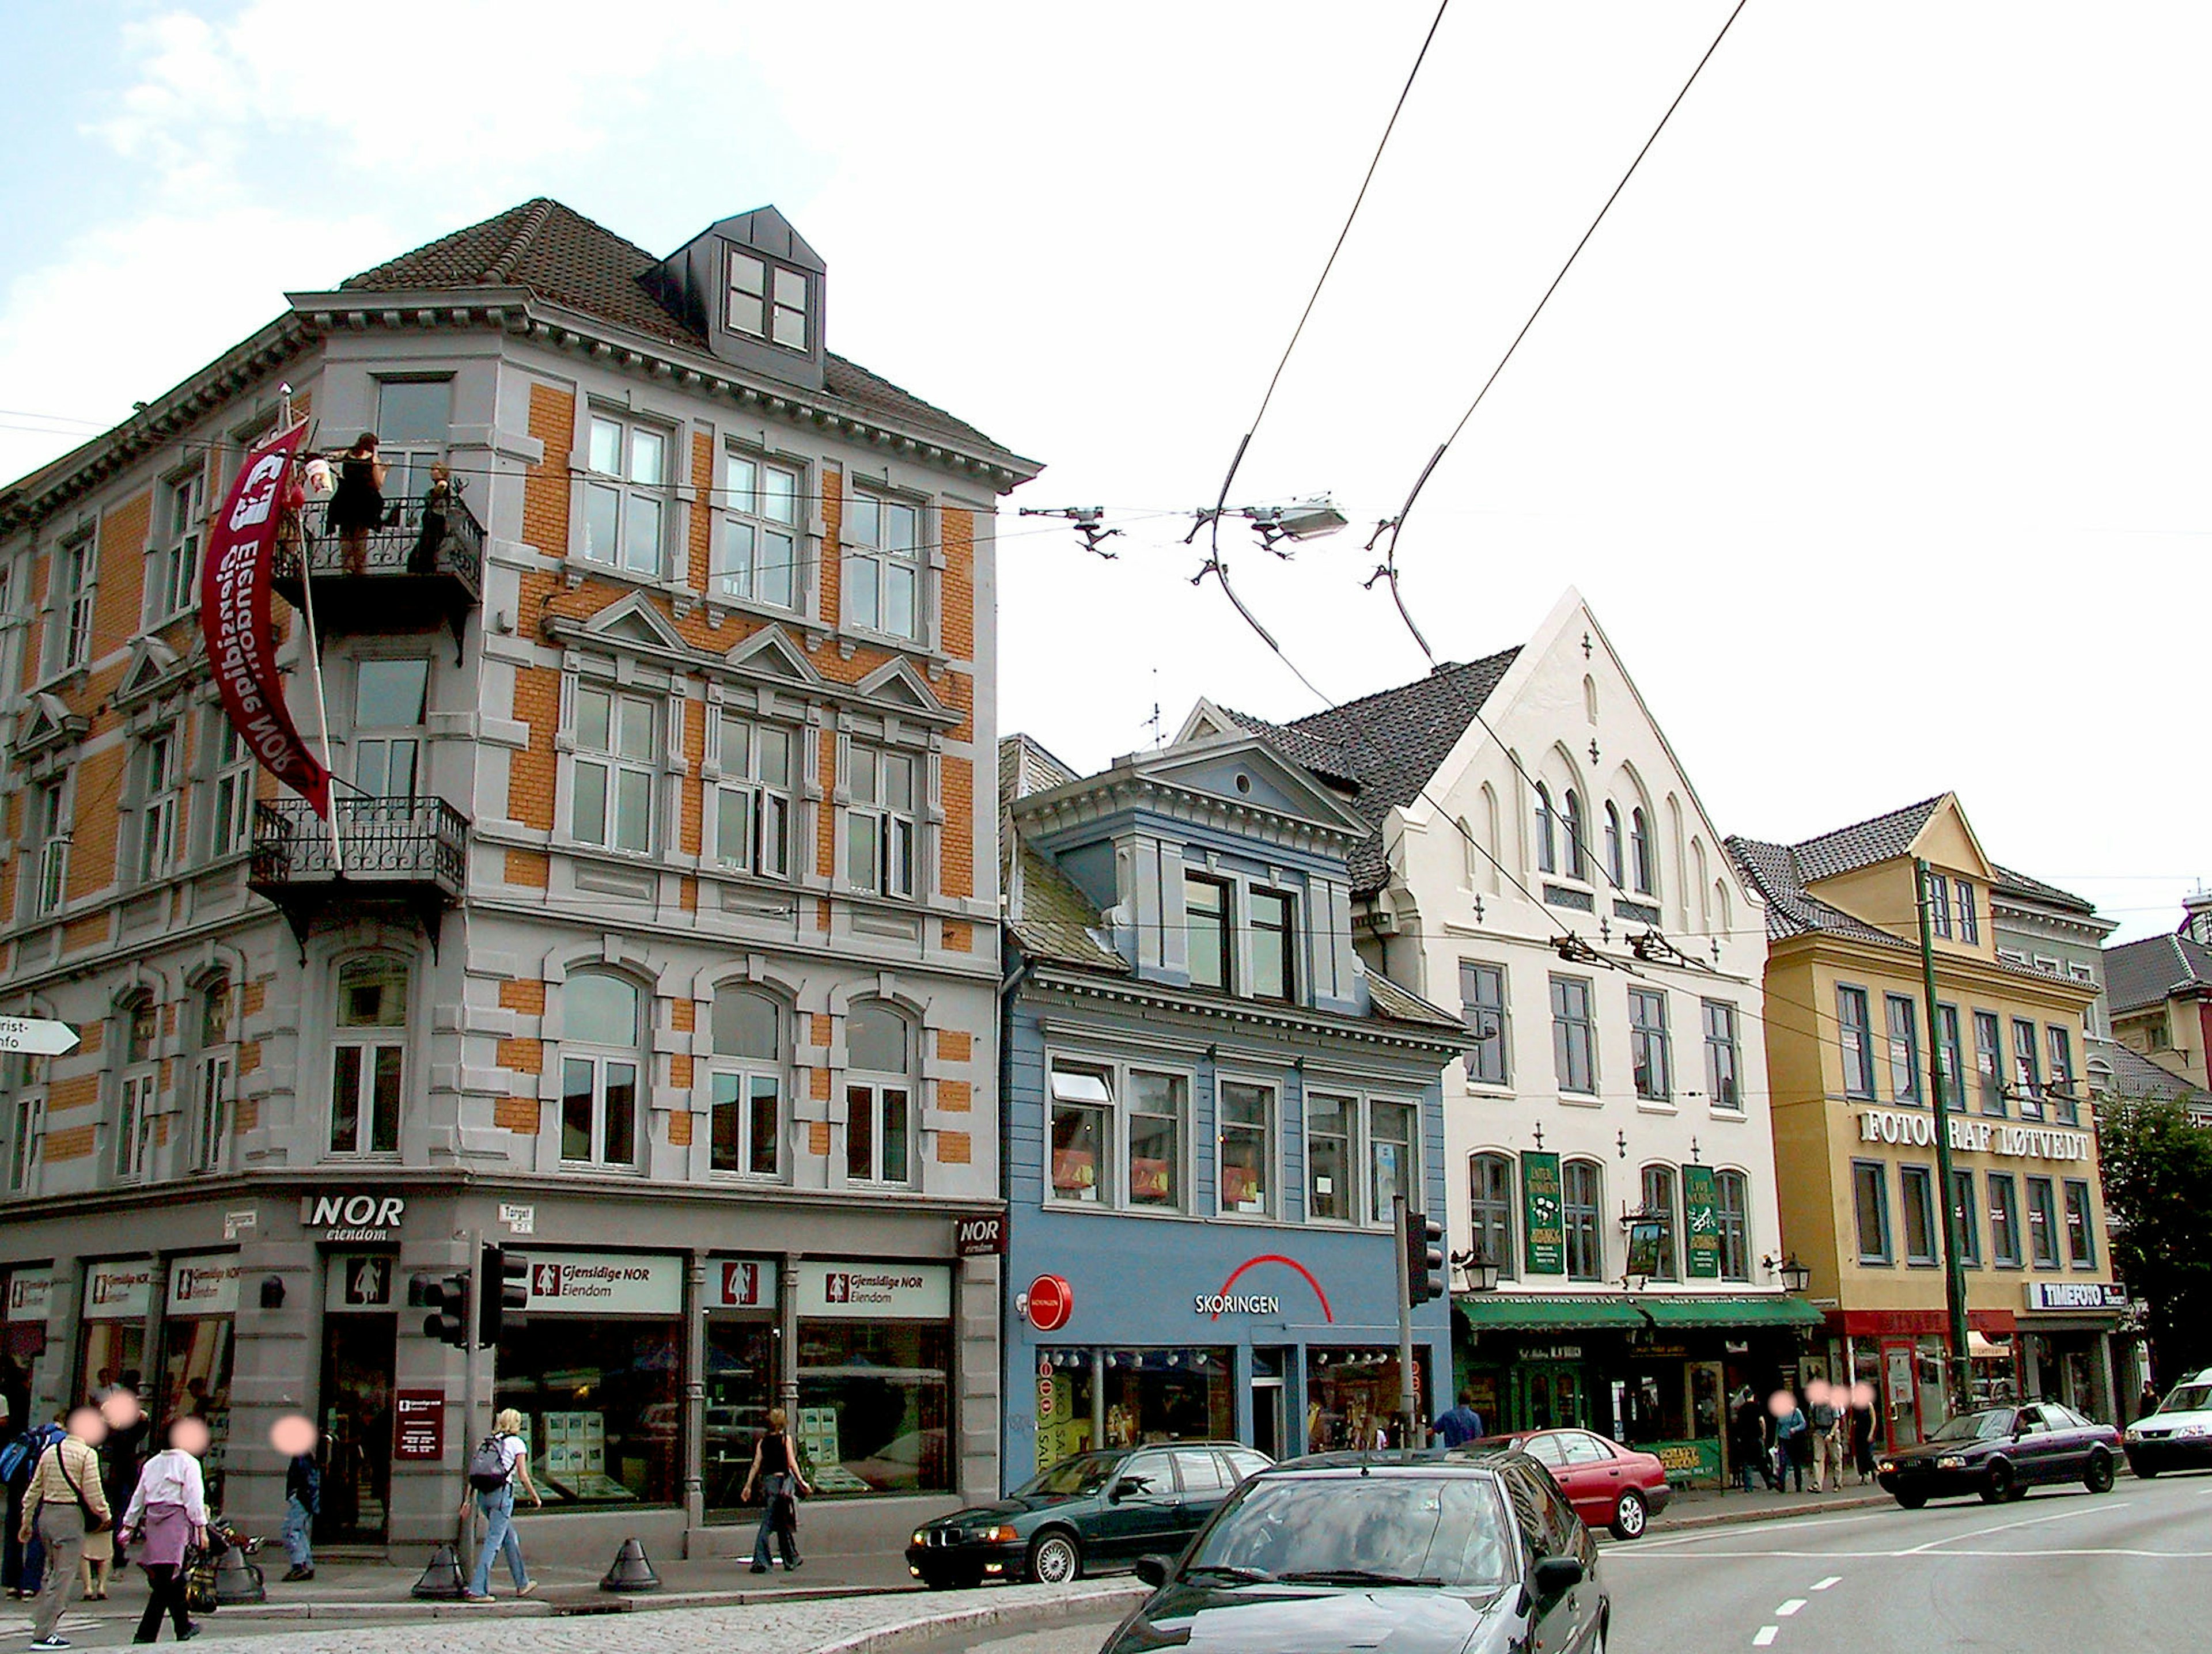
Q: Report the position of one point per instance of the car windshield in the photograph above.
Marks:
(2188, 1398)
(1084, 1475)
(1380, 1529)
(1977, 1426)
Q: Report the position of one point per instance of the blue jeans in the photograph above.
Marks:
(497, 1508)
(298, 1525)
(778, 1517)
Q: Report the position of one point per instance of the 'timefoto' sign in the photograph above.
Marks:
(2075, 1295)
(1916, 1129)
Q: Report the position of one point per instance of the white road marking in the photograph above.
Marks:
(2008, 1527)
(1800, 1525)
(1766, 1636)
(1832, 1579)
(1924, 1556)
(1789, 1607)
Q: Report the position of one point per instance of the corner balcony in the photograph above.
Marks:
(410, 853)
(400, 578)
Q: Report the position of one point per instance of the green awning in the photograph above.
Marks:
(1623, 1313)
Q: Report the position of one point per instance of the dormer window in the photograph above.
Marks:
(766, 301)
(1272, 974)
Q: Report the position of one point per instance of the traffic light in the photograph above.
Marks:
(505, 1277)
(448, 1320)
(1425, 1258)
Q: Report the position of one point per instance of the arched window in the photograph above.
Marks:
(213, 1071)
(370, 1056)
(1583, 1190)
(747, 1083)
(1639, 852)
(1490, 1206)
(1612, 862)
(1547, 854)
(879, 1095)
(602, 1032)
(140, 1023)
(1589, 697)
(1578, 838)
(1732, 1205)
(1487, 822)
(1660, 1213)
(1720, 907)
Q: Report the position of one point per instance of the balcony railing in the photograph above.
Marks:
(393, 578)
(377, 840)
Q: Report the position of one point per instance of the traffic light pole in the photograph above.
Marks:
(1959, 1369)
(1408, 1409)
(471, 1314)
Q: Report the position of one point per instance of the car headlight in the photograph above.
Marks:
(2193, 1430)
(1885, 1467)
(1951, 1462)
(2134, 1434)
(921, 1538)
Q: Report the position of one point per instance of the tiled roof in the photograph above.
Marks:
(1848, 849)
(1397, 1004)
(2146, 973)
(1791, 910)
(2135, 1074)
(1388, 746)
(566, 259)
(2011, 882)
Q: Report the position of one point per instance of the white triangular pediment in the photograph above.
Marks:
(771, 653)
(1246, 768)
(1207, 719)
(897, 683)
(152, 663)
(47, 722)
(634, 619)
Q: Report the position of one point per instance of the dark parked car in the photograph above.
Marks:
(1461, 1553)
(1610, 1486)
(2001, 1452)
(2178, 1435)
(1089, 1514)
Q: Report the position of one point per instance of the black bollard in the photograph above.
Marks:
(236, 1578)
(442, 1581)
(631, 1570)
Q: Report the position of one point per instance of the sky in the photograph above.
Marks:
(1872, 421)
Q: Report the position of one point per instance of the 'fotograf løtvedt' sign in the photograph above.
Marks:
(604, 1283)
(1543, 1214)
(861, 1290)
(204, 1286)
(352, 1217)
(1912, 1130)
(2075, 1295)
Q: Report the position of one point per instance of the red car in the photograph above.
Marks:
(1609, 1486)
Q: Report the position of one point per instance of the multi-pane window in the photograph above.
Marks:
(213, 1070)
(1482, 1006)
(2004, 1220)
(1574, 1035)
(1939, 905)
(626, 496)
(1615, 865)
(1639, 851)
(1082, 1109)
(173, 559)
(390, 702)
(414, 418)
(1966, 1222)
(2081, 1241)
(880, 822)
(1732, 1203)
(1577, 838)
(1648, 1048)
(617, 769)
(1915, 1189)
(49, 831)
(766, 301)
(603, 1032)
(1660, 1209)
(1904, 1047)
(1870, 1206)
(883, 565)
(27, 1137)
(68, 641)
(1970, 917)
(142, 1084)
(371, 1057)
(878, 1096)
(232, 819)
(1489, 1207)
(1723, 1079)
(2042, 1223)
(1949, 1057)
(1158, 1106)
(1330, 1124)
(155, 781)
(1547, 852)
(1247, 1146)
(753, 801)
(745, 1084)
(1205, 916)
(1988, 1062)
(2065, 1106)
(1272, 974)
(1390, 1158)
(757, 559)
(1855, 1034)
(1582, 1191)
(2027, 1070)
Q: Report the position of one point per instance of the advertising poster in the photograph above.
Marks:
(1543, 1216)
(1702, 1222)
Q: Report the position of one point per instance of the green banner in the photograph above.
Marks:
(1689, 1461)
(1543, 1216)
(1702, 1217)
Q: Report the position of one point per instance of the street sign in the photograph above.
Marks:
(419, 1421)
(36, 1036)
(980, 1237)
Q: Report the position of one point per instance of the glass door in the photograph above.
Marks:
(1548, 1396)
(358, 1356)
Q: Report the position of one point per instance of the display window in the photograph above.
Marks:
(1352, 1397)
(1148, 1395)
(875, 1404)
(196, 1382)
(741, 1385)
(118, 1297)
(602, 1406)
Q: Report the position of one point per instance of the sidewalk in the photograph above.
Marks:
(1706, 1507)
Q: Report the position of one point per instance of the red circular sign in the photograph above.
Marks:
(1051, 1301)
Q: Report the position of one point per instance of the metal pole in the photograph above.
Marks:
(472, 1318)
(315, 672)
(1407, 1409)
(1954, 1274)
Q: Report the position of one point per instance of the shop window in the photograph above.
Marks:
(1965, 1225)
(1732, 1204)
(213, 1071)
(1148, 1395)
(1158, 1106)
(1490, 1207)
(1660, 1226)
(1247, 1147)
(1583, 1184)
(1082, 1110)
(2081, 1239)
(626, 496)
(140, 1020)
(1330, 1123)
(602, 1403)
(616, 771)
(746, 1084)
(2004, 1221)
(370, 1056)
(1482, 1006)
(1352, 1397)
(1205, 910)
(882, 827)
(2042, 1223)
(1916, 1189)
(757, 559)
(875, 1400)
(878, 1096)
(603, 1030)
(753, 801)
(1648, 1048)
(1390, 1158)
(1870, 1206)
(196, 1369)
(883, 563)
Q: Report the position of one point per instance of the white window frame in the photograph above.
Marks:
(773, 297)
(603, 1061)
(157, 783)
(1352, 1160)
(1080, 1090)
(172, 557)
(871, 565)
(215, 1074)
(770, 806)
(629, 493)
(871, 1090)
(1732, 1043)
(1379, 1214)
(49, 891)
(745, 1075)
(363, 1044)
(138, 1096)
(612, 765)
(747, 525)
(26, 1142)
(76, 580)
(231, 794)
(886, 864)
(1270, 1204)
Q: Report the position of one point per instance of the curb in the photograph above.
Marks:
(1055, 1611)
(579, 1605)
(1773, 1513)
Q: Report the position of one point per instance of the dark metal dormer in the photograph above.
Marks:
(756, 289)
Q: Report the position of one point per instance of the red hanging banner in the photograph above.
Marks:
(234, 574)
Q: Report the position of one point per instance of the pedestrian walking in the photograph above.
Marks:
(168, 1512)
(1792, 1447)
(1824, 1422)
(1458, 1425)
(63, 1503)
(1863, 1442)
(121, 1453)
(2147, 1403)
(499, 1464)
(17, 1463)
(303, 1502)
(775, 1470)
(1748, 1439)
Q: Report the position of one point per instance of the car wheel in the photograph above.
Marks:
(2098, 1478)
(1630, 1517)
(2002, 1484)
(1053, 1560)
(1912, 1501)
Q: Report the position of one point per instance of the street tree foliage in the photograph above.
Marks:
(2158, 1202)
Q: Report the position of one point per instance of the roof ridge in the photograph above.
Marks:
(1928, 804)
(540, 209)
(1452, 669)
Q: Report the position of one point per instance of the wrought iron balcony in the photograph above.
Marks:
(397, 577)
(408, 851)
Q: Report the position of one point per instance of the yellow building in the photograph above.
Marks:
(1849, 1057)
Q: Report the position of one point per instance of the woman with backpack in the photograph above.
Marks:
(498, 1463)
(775, 1468)
(169, 1510)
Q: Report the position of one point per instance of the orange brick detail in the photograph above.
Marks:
(958, 586)
(952, 1149)
(516, 1114)
(687, 894)
(529, 867)
(683, 1014)
(247, 1116)
(74, 1144)
(821, 1026)
(116, 605)
(680, 1128)
(161, 1131)
(249, 1055)
(819, 1084)
(957, 876)
(522, 1055)
(955, 1096)
(530, 773)
(680, 1072)
(76, 1092)
(88, 1040)
(954, 1046)
(523, 994)
(81, 934)
(702, 513)
(93, 833)
(817, 1139)
(692, 795)
(833, 563)
(254, 998)
(545, 489)
(959, 938)
(825, 816)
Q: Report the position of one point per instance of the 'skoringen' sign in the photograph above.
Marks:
(1913, 1130)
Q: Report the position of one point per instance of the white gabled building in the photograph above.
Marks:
(1608, 1143)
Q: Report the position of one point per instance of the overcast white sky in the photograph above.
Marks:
(1874, 422)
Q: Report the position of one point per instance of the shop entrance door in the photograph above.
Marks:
(1900, 1409)
(358, 1352)
(1549, 1395)
(1268, 1416)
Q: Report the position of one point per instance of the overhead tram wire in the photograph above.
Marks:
(1394, 526)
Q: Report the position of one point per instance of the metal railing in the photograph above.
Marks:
(389, 840)
(454, 549)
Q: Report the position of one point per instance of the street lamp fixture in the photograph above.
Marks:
(1307, 520)
(1795, 1277)
(1477, 1270)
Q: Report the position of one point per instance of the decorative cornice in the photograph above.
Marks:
(1101, 798)
(1128, 990)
